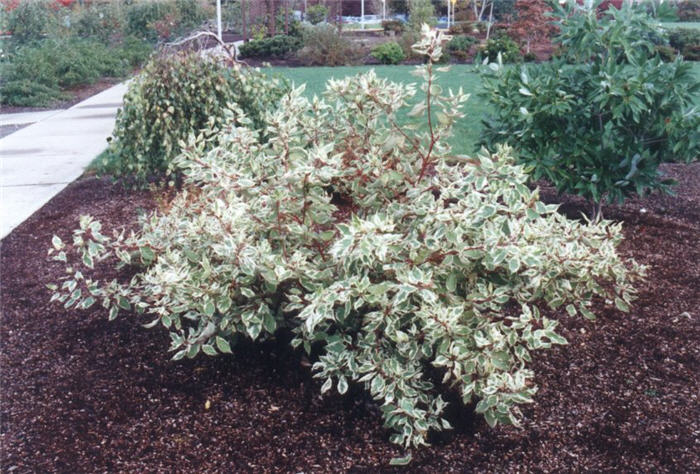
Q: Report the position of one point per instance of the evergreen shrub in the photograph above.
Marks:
(388, 53)
(598, 120)
(325, 46)
(502, 46)
(687, 42)
(34, 74)
(316, 14)
(29, 20)
(460, 46)
(278, 46)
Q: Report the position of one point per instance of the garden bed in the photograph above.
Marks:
(82, 394)
(75, 96)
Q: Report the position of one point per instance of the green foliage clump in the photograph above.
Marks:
(688, 10)
(278, 46)
(29, 93)
(662, 10)
(502, 45)
(29, 21)
(177, 96)
(462, 28)
(598, 121)
(33, 20)
(504, 10)
(191, 13)
(397, 265)
(687, 42)
(388, 53)
(99, 21)
(529, 57)
(393, 26)
(142, 17)
(43, 69)
(325, 46)
(421, 12)
(54, 48)
(460, 46)
(316, 14)
(294, 27)
(665, 52)
(163, 19)
(132, 50)
(407, 39)
(72, 62)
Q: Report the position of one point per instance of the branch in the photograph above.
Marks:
(229, 49)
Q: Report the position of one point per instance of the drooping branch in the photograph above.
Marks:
(228, 49)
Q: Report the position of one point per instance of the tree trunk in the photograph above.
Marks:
(339, 15)
(271, 16)
(488, 31)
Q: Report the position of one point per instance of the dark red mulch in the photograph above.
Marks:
(82, 394)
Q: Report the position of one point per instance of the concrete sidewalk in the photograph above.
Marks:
(38, 161)
(24, 118)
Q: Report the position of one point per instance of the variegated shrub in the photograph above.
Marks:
(387, 256)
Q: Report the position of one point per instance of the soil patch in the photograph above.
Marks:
(82, 394)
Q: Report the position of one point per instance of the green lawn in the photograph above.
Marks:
(466, 133)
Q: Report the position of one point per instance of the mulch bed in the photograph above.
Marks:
(542, 50)
(82, 394)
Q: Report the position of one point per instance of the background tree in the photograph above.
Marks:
(504, 10)
(316, 14)
(421, 12)
(531, 22)
(271, 15)
(481, 9)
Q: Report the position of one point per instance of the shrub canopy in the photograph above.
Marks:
(599, 120)
(390, 259)
(177, 96)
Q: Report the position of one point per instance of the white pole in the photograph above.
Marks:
(383, 9)
(448, 13)
(362, 13)
(218, 20)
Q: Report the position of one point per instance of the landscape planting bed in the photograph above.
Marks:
(74, 96)
(81, 394)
